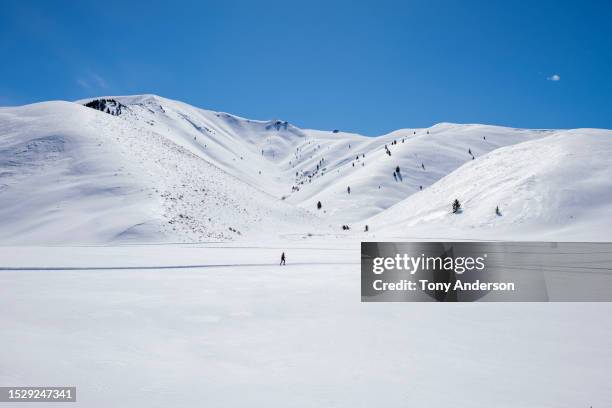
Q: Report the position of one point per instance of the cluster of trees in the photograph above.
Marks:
(278, 124)
(105, 105)
(397, 174)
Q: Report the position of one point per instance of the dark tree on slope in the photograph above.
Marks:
(497, 211)
(319, 205)
(456, 206)
(397, 169)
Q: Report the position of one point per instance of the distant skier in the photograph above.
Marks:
(282, 262)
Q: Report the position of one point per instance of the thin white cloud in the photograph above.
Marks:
(83, 83)
(91, 80)
(99, 81)
(554, 77)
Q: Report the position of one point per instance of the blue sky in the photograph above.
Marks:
(364, 66)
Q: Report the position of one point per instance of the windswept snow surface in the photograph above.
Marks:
(158, 170)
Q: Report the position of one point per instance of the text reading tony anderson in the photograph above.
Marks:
(485, 271)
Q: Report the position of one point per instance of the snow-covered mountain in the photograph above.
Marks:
(555, 187)
(146, 168)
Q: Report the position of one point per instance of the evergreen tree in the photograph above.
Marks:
(456, 206)
(319, 205)
(497, 211)
(397, 169)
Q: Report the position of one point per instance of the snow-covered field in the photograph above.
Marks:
(139, 255)
(224, 326)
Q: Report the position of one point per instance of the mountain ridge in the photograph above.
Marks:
(270, 174)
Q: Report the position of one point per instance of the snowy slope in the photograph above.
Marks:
(247, 149)
(307, 166)
(147, 168)
(548, 188)
(61, 179)
(75, 174)
(423, 156)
